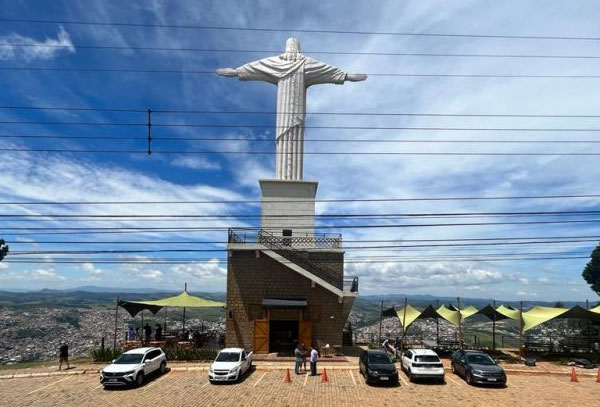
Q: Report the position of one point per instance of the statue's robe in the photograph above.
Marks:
(292, 78)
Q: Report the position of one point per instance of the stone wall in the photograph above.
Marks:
(250, 279)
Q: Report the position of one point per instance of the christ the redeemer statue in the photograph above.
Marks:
(293, 73)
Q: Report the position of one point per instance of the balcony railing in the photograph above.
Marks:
(291, 247)
(297, 241)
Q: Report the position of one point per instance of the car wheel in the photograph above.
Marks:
(139, 379)
(452, 368)
(469, 378)
(163, 368)
(410, 376)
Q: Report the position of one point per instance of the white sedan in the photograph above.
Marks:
(133, 366)
(229, 365)
(422, 363)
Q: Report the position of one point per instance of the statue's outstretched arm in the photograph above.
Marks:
(356, 77)
(230, 72)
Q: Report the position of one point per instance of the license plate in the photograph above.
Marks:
(112, 380)
(384, 378)
(492, 379)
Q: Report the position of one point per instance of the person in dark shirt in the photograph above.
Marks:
(147, 332)
(158, 334)
(63, 356)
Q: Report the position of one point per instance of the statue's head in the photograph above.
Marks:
(292, 50)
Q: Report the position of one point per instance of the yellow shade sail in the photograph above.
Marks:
(467, 312)
(182, 300)
(449, 315)
(539, 315)
(509, 312)
(407, 319)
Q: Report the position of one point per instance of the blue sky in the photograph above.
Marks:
(101, 177)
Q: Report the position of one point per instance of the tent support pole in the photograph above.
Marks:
(460, 336)
(183, 332)
(437, 326)
(165, 323)
(142, 330)
(404, 325)
(380, 322)
(116, 323)
(521, 355)
(494, 327)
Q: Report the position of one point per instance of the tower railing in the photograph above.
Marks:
(286, 247)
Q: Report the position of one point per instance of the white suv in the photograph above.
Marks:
(422, 363)
(133, 366)
(230, 364)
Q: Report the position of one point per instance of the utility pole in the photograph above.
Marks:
(521, 355)
(437, 325)
(494, 327)
(404, 325)
(380, 322)
(460, 336)
(116, 324)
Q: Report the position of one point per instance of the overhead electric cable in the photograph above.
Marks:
(263, 112)
(294, 30)
(337, 200)
(212, 72)
(307, 52)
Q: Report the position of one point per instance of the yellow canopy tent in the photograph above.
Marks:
(509, 312)
(183, 300)
(538, 315)
(448, 314)
(467, 312)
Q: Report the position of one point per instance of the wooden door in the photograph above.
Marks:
(261, 336)
(305, 333)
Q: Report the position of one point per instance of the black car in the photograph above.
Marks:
(377, 367)
(477, 367)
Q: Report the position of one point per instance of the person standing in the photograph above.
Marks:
(303, 349)
(158, 334)
(314, 357)
(299, 357)
(63, 356)
(147, 332)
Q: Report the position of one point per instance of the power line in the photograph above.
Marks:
(257, 51)
(293, 30)
(307, 140)
(212, 72)
(325, 215)
(339, 200)
(262, 126)
(378, 153)
(222, 261)
(368, 226)
(254, 112)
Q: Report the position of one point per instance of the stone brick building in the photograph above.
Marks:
(284, 282)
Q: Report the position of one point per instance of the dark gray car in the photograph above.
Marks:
(477, 367)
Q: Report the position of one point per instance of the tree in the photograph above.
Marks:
(3, 249)
(591, 272)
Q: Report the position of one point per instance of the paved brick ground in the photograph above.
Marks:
(266, 388)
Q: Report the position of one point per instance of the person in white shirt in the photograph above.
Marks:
(314, 356)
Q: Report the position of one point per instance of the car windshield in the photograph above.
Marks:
(427, 358)
(480, 360)
(227, 357)
(129, 358)
(379, 359)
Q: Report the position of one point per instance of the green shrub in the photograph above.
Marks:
(198, 354)
(105, 355)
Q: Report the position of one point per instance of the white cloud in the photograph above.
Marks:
(34, 49)
(91, 269)
(195, 163)
(526, 294)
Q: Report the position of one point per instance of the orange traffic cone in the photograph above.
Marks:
(287, 378)
(574, 376)
(324, 378)
(598, 378)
